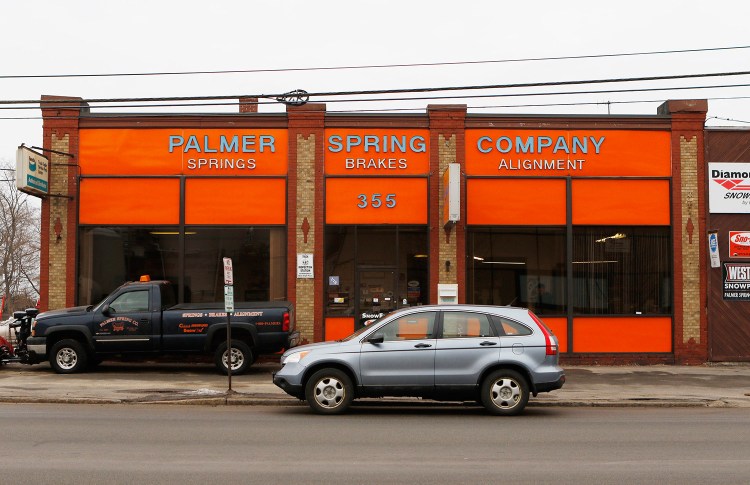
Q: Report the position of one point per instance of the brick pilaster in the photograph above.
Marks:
(59, 210)
(447, 144)
(689, 229)
(305, 214)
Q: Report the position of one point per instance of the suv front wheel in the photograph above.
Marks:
(505, 392)
(329, 391)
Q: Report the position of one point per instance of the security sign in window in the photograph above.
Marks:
(354, 200)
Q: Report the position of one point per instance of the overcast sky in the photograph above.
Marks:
(88, 37)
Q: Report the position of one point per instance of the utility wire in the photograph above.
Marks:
(371, 66)
(63, 102)
(726, 119)
(375, 110)
(420, 98)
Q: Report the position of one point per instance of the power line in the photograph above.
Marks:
(421, 98)
(525, 105)
(371, 66)
(59, 103)
(726, 119)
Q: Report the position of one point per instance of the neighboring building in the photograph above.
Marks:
(597, 223)
(728, 285)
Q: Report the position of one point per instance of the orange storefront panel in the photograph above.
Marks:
(338, 328)
(545, 153)
(632, 202)
(217, 152)
(129, 201)
(370, 151)
(235, 201)
(515, 202)
(559, 326)
(392, 200)
(625, 334)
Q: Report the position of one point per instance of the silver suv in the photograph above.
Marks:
(494, 355)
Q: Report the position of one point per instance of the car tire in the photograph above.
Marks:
(329, 391)
(242, 357)
(68, 356)
(505, 393)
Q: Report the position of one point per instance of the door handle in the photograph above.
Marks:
(422, 346)
(487, 342)
(144, 320)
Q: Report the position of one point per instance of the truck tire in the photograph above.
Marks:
(329, 391)
(242, 357)
(505, 393)
(68, 356)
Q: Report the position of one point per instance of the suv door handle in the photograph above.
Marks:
(422, 346)
(487, 342)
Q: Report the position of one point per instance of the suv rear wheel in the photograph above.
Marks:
(329, 391)
(505, 392)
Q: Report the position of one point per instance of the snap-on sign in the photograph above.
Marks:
(739, 244)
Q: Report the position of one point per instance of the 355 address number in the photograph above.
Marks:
(376, 201)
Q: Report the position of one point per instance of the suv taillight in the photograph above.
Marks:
(551, 347)
(285, 323)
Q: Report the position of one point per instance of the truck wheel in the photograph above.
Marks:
(68, 356)
(242, 357)
(505, 393)
(329, 391)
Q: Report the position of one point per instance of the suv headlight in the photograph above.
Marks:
(295, 357)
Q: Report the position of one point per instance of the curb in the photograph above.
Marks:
(250, 400)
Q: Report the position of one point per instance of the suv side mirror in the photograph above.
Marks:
(19, 314)
(32, 312)
(106, 311)
(376, 339)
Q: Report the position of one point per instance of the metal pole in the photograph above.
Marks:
(229, 352)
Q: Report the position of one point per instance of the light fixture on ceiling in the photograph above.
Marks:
(618, 235)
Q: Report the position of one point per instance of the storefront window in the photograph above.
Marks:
(110, 256)
(622, 270)
(258, 260)
(517, 266)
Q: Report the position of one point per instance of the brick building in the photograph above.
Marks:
(597, 223)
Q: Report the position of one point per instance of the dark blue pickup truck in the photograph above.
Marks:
(141, 319)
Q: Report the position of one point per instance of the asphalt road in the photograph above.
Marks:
(79, 444)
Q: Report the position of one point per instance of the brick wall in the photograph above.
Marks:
(688, 229)
(59, 224)
(446, 146)
(305, 288)
(305, 215)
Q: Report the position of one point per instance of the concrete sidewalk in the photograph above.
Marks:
(725, 385)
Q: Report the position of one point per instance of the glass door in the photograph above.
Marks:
(377, 293)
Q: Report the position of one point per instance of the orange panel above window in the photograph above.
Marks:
(391, 200)
(515, 202)
(173, 151)
(235, 201)
(129, 201)
(631, 202)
